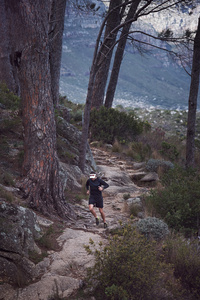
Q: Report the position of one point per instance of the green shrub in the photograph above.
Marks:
(127, 268)
(152, 227)
(10, 124)
(117, 147)
(185, 257)
(140, 151)
(153, 165)
(170, 148)
(153, 138)
(77, 115)
(134, 210)
(69, 104)
(75, 109)
(64, 101)
(35, 257)
(169, 151)
(46, 242)
(6, 178)
(109, 124)
(126, 196)
(178, 202)
(8, 99)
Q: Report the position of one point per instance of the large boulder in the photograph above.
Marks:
(18, 231)
(71, 176)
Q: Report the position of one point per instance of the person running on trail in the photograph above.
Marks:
(95, 186)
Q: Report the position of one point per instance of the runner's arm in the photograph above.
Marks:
(87, 185)
(105, 185)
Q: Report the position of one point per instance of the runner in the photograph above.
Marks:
(95, 186)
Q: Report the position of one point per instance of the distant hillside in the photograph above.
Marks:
(145, 81)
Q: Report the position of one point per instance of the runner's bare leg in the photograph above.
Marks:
(91, 208)
(102, 214)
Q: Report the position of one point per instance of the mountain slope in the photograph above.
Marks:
(152, 79)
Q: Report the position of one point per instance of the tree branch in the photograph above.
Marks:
(155, 9)
(180, 40)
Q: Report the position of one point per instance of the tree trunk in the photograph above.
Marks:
(55, 41)
(119, 56)
(192, 104)
(85, 127)
(29, 28)
(113, 21)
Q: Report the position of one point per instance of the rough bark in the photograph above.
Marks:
(119, 56)
(29, 29)
(55, 41)
(106, 54)
(192, 103)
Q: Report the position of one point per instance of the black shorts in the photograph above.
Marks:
(96, 201)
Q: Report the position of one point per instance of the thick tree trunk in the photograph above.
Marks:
(41, 184)
(106, 55)
(119, 56)
(192, 104)
(55, 41)
(29, 27)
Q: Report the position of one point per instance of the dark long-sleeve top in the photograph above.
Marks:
(93, 185)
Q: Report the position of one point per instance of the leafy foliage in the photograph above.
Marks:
(127, 268)
(110, 124)
(74, 110)
(153, 165)
(184, 255)
(139, 151)
(178, 203)
(10, 123)
(153, 227)
(8, 99)
(169, 150)
(126, 196)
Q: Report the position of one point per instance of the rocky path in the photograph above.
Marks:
(64, 271)
(117, 173)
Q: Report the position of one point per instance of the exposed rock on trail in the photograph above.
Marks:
(63, 271)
